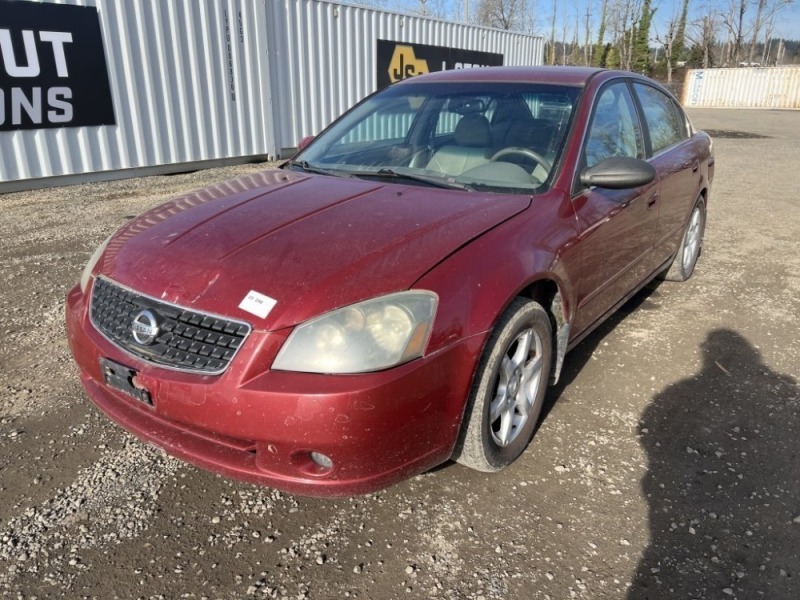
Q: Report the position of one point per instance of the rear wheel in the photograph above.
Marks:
(685, 260)
(509, 389)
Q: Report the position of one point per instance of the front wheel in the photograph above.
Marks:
(509, 388)
(685, 260)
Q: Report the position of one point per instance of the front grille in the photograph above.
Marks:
(187, 340)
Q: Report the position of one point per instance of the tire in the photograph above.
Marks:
(685, 260)
(509, 388)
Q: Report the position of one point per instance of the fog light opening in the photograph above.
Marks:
(321, 460)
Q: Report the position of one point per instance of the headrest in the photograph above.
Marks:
(515, 112)
(473, 130)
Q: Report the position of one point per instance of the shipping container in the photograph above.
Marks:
(748, 87)
(102, 89)
(329, 52)
(187, 83)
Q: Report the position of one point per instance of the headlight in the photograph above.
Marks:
(368, 336)
(87, 270)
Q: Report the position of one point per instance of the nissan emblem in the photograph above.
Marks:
(145, 327)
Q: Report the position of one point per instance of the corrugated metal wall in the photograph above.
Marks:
(320, 48)
(176, 97)
(770, 87)
(211, 80)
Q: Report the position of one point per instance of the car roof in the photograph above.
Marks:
(576, 76)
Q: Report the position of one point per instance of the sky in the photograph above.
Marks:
(786, 26)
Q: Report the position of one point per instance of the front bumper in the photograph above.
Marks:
(261, 426)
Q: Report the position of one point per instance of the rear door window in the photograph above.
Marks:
(664, 119)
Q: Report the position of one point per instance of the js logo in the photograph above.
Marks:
(405, 64)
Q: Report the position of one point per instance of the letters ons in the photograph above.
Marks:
(16, 100)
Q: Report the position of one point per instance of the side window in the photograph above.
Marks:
(614, 130)
(664, 120)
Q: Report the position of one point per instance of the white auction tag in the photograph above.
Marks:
(258, 304)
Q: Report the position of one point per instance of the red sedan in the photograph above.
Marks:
(404, 290)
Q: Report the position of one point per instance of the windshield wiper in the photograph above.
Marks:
(385, 173)
(309, 168)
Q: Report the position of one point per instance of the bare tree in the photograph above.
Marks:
(738, 26)
(780, 53)
(673, 39)
(769, 28)
(553, 36)
(734, 22)
(531, 18)
(756, 29)
(502, 14)
(702, 35)
(587, 45)
(709, 25)
(623, 16)
(765, 17)
(667, 40)
(576, 50)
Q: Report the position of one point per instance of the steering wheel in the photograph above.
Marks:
(526, 152)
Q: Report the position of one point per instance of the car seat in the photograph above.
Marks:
(472, 142)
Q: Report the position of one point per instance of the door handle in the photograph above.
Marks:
(651, 201)
(695, 166)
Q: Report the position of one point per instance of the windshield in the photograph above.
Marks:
(491, 136)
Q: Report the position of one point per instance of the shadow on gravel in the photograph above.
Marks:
(722, 480)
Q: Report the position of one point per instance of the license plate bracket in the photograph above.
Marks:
(122, 378)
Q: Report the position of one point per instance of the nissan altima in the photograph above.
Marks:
(405, 289)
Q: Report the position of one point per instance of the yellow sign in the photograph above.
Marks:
(405, 64)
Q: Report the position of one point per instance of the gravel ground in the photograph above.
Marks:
(666, 466)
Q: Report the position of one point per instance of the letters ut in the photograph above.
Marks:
(56, 39)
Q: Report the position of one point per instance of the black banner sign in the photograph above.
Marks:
(52, 67)
(399, 60)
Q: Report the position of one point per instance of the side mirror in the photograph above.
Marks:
(619, 173)
(304, 142)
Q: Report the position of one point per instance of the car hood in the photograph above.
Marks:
(311, 243)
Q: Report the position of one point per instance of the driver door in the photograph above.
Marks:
(617, 227)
